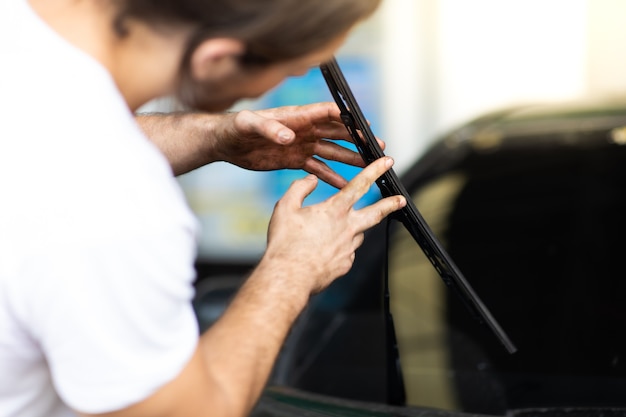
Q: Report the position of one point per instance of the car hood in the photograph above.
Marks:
(288, 402)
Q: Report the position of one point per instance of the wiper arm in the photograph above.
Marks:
(389, 185)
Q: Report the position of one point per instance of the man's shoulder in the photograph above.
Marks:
(88, 174)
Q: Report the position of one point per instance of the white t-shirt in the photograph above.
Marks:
(96, 241)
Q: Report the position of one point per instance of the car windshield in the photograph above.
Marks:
(537, 227)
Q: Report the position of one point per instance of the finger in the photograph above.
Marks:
(334, 152)
(314, 113)
(298, 191)
(332, 130)
(324, 172)
(381, 143)
(338, 131)
(372, 215)
(360, 184)
(358, 240)
(323, 112)
(271, 129)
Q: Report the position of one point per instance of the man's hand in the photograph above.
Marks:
(317, 243)
(293, 137)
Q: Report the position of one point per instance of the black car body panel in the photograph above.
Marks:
(287, 402)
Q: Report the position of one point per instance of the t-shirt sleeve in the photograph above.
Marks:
(114, 316)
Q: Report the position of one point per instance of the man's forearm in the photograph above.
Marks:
(186, 139)
(241, 348)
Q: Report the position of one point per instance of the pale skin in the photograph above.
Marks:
(234, 357)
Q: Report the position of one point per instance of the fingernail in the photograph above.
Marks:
(389, 162)
(285, 136)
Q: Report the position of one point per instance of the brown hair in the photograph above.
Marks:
(273, 30)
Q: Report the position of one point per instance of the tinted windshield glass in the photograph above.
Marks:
(539, 234)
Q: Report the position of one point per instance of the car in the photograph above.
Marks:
(530, 203)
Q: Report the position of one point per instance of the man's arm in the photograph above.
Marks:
(235, 356)
(186, 139)
(308, 248)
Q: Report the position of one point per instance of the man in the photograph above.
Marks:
(96, 243)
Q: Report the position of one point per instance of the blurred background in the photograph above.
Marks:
(420, 68)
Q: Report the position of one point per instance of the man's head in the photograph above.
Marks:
(242, 48)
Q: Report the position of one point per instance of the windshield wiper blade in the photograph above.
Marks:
(389, 185)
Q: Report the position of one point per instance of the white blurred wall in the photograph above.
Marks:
(446, 61)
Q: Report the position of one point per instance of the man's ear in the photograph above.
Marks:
(215, 58)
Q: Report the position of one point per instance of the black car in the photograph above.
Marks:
(530, 203)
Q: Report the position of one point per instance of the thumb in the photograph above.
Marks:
(298, 191)
(268, 128)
